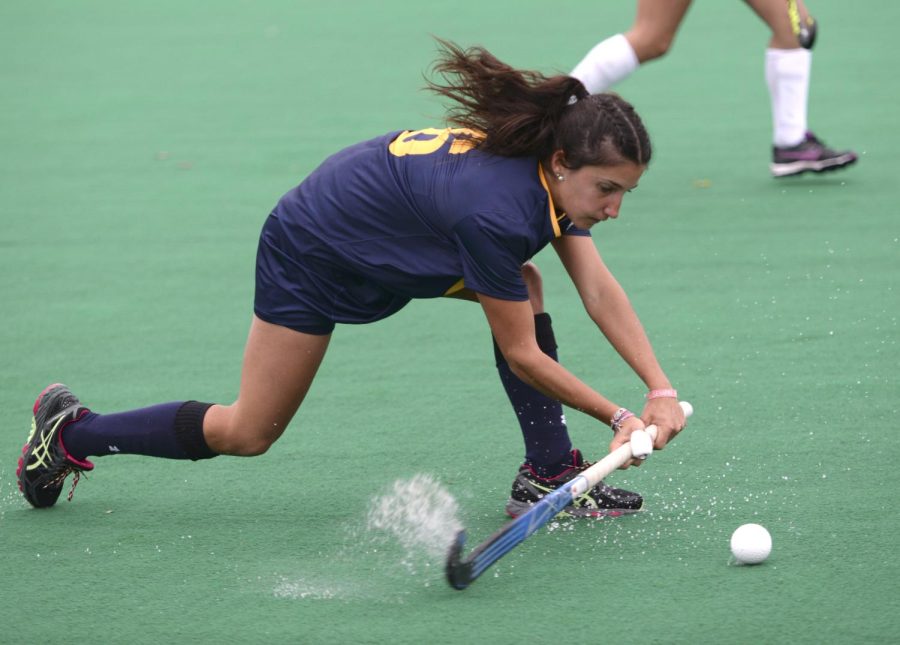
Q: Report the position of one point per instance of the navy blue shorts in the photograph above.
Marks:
(301, 285)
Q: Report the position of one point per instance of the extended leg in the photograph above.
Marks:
(279, 366)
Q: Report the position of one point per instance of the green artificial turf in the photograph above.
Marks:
(142, 146)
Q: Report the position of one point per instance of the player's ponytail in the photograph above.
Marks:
(524, 113)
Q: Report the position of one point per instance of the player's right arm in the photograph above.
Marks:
(609, 307)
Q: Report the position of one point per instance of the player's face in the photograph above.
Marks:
(593, 194)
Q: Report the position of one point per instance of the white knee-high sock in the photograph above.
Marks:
(606, 64)
(787, 75)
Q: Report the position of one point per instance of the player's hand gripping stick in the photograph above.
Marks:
(642, 440)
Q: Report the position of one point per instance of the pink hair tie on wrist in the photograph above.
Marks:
(661, 394)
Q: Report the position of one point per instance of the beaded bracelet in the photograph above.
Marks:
(619, 417)
(661, 394)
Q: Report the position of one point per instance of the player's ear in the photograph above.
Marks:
(558, 163)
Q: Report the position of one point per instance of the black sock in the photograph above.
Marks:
(547, 443)
(168, 430)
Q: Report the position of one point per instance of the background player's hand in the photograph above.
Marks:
(667, 416)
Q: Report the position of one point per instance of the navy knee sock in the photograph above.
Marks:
(547, 443)
(169, 430)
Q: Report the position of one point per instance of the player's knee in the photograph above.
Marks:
(232, 436)
(649, 45)
(657, 48)
(252, 447)
(246, 444)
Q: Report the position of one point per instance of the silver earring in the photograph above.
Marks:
(560, 177)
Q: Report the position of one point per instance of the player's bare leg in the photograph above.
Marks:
(617, 57)
(774, 13)
(279, 367)
(655, 25)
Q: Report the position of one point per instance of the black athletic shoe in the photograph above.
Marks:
(600, 501)
(810, 155)
(45, 464)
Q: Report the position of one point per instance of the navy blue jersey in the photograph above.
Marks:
(419, 214)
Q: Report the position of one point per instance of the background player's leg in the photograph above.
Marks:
(788, 68)
(655, 25)
(787, 74)
(651, 35)
(775, 14)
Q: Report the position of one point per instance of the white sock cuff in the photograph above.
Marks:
(797, 61)
(606, 64)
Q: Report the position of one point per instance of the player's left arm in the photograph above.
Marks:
(609, 307)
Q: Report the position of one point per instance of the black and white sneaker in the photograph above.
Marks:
(810, 155)
(45, 463)
(600, 501)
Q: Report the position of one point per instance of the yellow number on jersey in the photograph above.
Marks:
(429, 140)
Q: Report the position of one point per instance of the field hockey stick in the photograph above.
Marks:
(461, 572)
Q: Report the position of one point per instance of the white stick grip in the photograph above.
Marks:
(641, 444)
(618, 457)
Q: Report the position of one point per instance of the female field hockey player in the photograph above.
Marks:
(795, 150)
(529, 160)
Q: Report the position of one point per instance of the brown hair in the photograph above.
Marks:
(524, 113)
